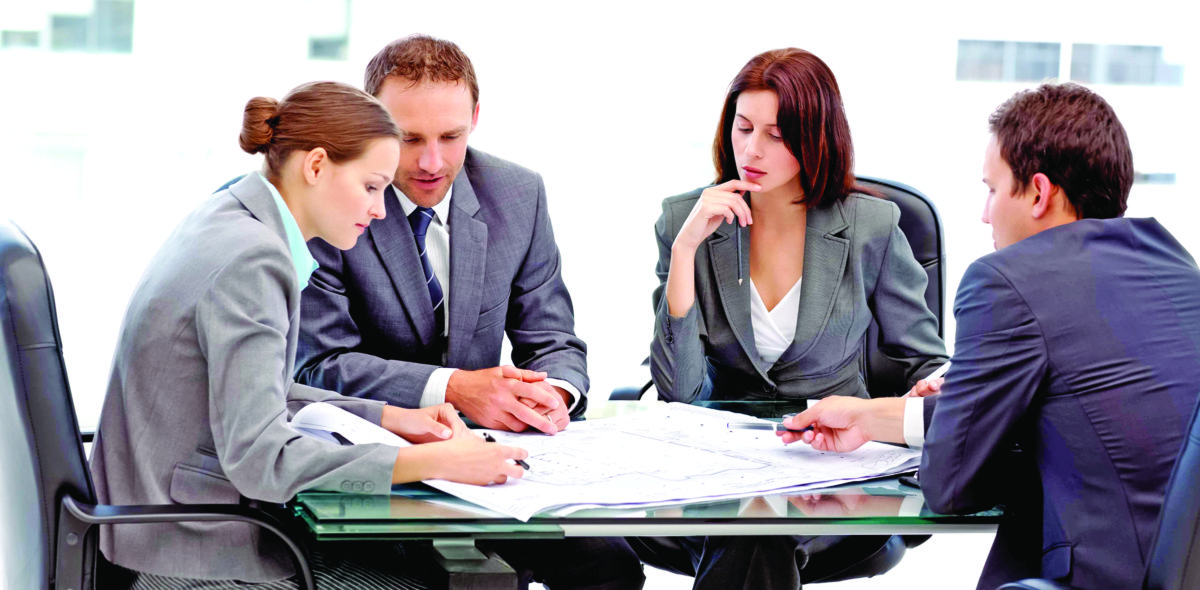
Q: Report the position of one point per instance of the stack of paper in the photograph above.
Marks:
(672, 454)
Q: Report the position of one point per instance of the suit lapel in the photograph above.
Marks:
(468, 253)
(735, 298)
(824, 263)
(397, 247)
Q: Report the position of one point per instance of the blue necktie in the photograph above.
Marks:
(420, 220)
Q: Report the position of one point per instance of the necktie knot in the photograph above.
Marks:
(420, 219)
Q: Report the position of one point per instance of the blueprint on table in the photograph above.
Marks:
(671, 454)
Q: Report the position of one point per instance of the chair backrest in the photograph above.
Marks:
(921, 224)
(41, 451)
(1174, 562)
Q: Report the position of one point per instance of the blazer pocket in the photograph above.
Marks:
(1056, 561)
(492, 316)
(192, 485)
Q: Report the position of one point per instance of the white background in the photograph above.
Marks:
(615, 103)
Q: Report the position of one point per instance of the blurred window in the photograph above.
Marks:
(1007, 61)
(1123, 64)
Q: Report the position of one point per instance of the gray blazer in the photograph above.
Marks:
(201, 391)
(857, 265)
(368, 325)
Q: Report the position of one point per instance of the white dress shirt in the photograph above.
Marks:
(774, 329)
(437, 249)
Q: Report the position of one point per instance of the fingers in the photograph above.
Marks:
(511, 372)
(738, 184)
(541, 396)
(804, 419)
(528, 416)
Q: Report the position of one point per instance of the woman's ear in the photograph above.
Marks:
(316, 163)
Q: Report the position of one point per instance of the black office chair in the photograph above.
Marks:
(45, 472)
(921, 224)
(1174, 561)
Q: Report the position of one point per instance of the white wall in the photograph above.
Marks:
(615, 103)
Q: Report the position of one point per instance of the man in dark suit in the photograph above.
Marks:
(415, 314)
(1078, 343)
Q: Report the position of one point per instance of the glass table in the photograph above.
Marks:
(420, 512)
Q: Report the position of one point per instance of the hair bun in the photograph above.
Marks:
(258, 124)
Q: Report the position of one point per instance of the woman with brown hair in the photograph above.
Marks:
(770, 278)
(201, 392)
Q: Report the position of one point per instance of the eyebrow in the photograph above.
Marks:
(385, 177)
(460, 130)
(741, 116)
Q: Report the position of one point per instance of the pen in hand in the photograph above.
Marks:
(489, 438)
(772, 426)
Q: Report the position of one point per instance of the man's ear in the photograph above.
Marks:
(1046, 195)
(475, 117)
(316, 163)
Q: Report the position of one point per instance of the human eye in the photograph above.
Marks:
(775, 137)
(743, 129)
(451, 136)
(372, 188)
(412, 140)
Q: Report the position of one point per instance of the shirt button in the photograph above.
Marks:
(369, 487)
(346, 486)
(358, 486)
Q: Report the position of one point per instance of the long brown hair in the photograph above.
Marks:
(811, 120)
(331, 115)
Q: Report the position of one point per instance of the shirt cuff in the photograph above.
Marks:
(435, 388)
(574, 393)
(914, 422)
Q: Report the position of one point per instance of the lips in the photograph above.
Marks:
(753, 173)
(427, 182)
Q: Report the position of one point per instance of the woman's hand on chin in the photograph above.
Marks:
(716, 205)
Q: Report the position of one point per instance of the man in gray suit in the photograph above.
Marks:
(416, 312)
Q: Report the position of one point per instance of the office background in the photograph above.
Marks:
(118, 116)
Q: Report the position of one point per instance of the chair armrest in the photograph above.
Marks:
(629, 393)
(77, 520)
(1035, 584)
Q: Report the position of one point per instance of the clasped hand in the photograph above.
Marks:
(508, 398)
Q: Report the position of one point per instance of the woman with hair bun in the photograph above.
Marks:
(768, 282)
(201, 391)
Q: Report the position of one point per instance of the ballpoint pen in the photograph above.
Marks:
(488, 438)
(738, 237)
(772, 426)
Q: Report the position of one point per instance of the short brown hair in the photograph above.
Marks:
(1071, 135)
(811, 120)
(331, 115)
(421, 58)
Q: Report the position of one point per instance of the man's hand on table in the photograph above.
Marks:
(842, 424)
(506, 398)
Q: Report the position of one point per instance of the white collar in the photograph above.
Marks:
(442, 208)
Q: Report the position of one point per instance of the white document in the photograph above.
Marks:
(671, 454)
(329, 422)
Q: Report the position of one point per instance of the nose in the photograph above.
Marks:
(753, 147)
(431, 158)
(377, 209)
(987, 206)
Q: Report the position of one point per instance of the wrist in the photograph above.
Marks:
(884, 419)
(454, 385)
(682, 246)
(416, 463)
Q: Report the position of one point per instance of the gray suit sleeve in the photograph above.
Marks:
(329, 352)
(908, 331)
(540, 321)
(677, 363)
(242, 323)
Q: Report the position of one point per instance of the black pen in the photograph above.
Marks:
(488, 438)
(738, 236)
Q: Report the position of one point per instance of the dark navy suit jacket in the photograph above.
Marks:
(1080, 345)
(367, 324)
